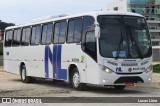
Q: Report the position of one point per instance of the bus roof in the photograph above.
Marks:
(56, 18)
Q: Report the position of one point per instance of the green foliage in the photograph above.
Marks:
(156, 68)
(1, 48)
(3, 25)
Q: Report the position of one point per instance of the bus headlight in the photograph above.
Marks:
(148, 69)
(106, 69)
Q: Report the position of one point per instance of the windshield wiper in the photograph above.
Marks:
(134, 42)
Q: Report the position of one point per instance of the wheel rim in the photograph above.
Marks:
(23, 74)
(76, 79)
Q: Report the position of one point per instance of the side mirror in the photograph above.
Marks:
(97, 30)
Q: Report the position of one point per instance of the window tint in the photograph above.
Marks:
(77, 31)
(60, 32)
(90, 45)
(8, 38)
(74, 31)
(36, 34)
(33, 36)
(70, 31)
(47, 34)
(25, 36)
(44, 34)
(88, 25)
(90, 41)
(16, 37)
(56, 32)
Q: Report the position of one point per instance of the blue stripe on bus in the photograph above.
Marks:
(62, 73)
(55, 60)
(48, 54)
(46, 61)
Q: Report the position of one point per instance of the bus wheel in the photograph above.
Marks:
(75, 80)
(119, 87)
(24, 77)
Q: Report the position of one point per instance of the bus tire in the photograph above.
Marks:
(75, 80)
(119, 87)
(24, 77)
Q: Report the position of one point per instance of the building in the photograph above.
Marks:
(148, 8)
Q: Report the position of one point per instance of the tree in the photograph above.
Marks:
(3, 25)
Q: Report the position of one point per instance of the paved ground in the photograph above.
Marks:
(10, 86)
(1, 60)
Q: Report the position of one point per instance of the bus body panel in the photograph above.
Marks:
(53, 61)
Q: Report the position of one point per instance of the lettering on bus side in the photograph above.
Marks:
(55, 59)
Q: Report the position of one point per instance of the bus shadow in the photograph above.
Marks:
(111, 90)
(92, 88)
(88, 88)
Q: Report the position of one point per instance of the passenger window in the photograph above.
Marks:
(8, 38)
(19, 36)
(47, 34)
(14, 42)
(60, 32)
(26, 36)
(74, 31)
(16, 37)
(33, 36)
(78, 31)
(36, 35)
(56, 33)
(70, 32)
(44, 34)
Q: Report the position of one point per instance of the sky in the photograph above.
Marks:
(24, 11)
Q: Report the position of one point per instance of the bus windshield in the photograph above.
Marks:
(124, 37)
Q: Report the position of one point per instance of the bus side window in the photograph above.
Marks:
(44, 34)
(26, 36)
(56, 32)
(74, 31)
(14, 42)
(90, 44)
(47, 33)
(16, 37)
(33, 35)
(36, 35)
(8, 38)
(60, 32)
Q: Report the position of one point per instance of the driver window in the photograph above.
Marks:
(90, 45)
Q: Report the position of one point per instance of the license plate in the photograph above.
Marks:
(127, 84)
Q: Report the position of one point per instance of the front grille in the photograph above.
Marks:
(129, 73)
(129, 64)
(129, 79)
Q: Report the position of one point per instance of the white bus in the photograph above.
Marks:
(99, 48)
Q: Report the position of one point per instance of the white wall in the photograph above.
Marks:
(121, 4)
(157, 1)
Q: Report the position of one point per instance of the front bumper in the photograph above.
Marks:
(120, 79)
